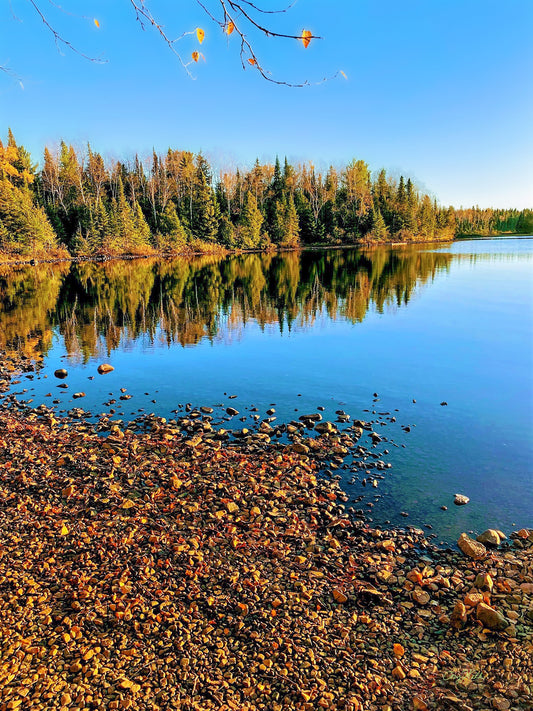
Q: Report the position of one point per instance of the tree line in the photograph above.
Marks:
(77, 204)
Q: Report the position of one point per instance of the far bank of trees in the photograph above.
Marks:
(80, 205)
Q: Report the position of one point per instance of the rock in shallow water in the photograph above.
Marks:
(460, 499)
(105, 368)
(491, 537)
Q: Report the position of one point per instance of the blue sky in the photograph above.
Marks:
(440, 91)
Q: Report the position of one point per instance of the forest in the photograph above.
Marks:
(78, 204)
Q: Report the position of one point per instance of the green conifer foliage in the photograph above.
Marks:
(250, 223)
(173, 234)
(25, 227)
(205, 224)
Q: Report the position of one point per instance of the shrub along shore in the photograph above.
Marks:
(158, 567)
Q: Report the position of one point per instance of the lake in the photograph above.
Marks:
(386, 335)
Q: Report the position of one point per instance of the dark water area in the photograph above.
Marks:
(418, 326)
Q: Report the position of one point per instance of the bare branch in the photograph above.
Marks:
(145, 16)
(59, 40)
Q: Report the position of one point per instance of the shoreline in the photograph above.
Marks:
(165, 569)
(218, 250)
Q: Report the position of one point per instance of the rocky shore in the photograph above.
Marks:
(160, 567)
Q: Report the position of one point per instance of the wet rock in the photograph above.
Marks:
(325, 427)
(300, 448)
(471, 548)
(490, 537)
(460, 499)
(491, 618)
(78, 395)
(104, 368)
(313, 417)
(231, 411)
(60, 373)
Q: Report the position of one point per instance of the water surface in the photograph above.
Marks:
(452, 323)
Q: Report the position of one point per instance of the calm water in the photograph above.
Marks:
(450, 324)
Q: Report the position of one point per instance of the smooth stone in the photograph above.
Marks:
(60, 373)
(471, 548)
(231, 411)
(323, 427)
(490, 617)
(313, 417)
(77, 395)
(104, 368)
(460, 499)
(490, 537)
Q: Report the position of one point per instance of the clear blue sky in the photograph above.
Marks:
(438, 90)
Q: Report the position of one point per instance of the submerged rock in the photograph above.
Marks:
(60, 373)
(460, 499)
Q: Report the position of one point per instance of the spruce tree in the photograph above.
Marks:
(205, 224)
(250, 223)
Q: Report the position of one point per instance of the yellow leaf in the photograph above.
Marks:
(343, 74)
(63, 531)
(195, 56)
(200, 34)
(252, 61)
(306, 37)
(96, 22)
(229, 28)
(127, 504)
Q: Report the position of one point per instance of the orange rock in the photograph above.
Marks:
(398, 673)
(339, 596)
(473, 599)
(105, 368)
(458, 616)
(398, 650)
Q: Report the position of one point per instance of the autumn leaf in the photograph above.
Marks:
(229, 28)
(195, 56)
(343, 74)
(96, 23)
(200, 34)
(306, 37)
(63, 531)
(252, 61)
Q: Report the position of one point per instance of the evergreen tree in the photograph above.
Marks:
(173, 233)
(250, 223)
(205, 224)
